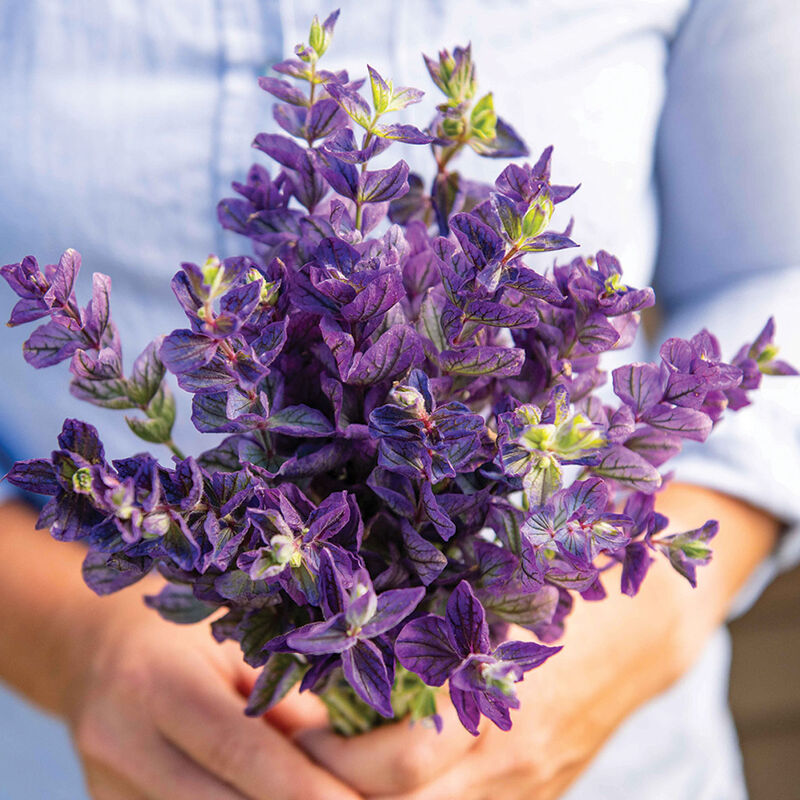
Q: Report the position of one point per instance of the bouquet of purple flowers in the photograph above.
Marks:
(416, 456)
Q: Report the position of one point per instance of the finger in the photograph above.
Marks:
(297, 712)
(203, 717)
(169, 774)
(392, 759)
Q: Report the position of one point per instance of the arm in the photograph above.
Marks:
(154, 709)
(575, 701)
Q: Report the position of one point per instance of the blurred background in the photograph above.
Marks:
(765, 690)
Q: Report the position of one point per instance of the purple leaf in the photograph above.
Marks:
(507, 143)
(466, 705)
(366, 672)
(105, 574)
(479, 242)
(281, 149)
(177, 603)
(63, 280)
(425, 647)
(318, 638)
(634, 567)
(299, 421)
(499, 362)
(638, 386)
(467, 621)
(36, 475)
(393, 607)
(50, 344)
(283, 90)
(403, 133)
(382, 185)
(184, 350)
(428, 561)
(628, 468)
(281, 672)
(526, 655)
(688, 423)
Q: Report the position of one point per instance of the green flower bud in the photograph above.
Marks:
(213, 274)
(537, 217)
(483, 119)
(82, 480)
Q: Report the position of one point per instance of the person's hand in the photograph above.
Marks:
(157, 713)
(617, 654)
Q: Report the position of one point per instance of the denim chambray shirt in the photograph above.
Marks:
(122, 122)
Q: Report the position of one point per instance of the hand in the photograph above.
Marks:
(157, 713)
(574, 702)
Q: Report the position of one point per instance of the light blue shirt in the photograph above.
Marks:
(122, 123)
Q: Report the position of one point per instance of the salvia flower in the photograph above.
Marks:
(407, 415)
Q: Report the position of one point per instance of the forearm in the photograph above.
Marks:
(621, 652)
(51, 616)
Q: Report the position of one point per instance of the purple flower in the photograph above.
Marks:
(456, 648)
(418, 438)
(353, 618)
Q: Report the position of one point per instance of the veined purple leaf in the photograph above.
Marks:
(299, 420)
(525, 608)
(628, 468)
(483, 360)
(428, 561)
(688, 423)
(532, 284)
(50, 344)
(342, 177)
(657, 446)
(318, 638)
(425, 647)
(638, 385)
(445, 527)
(97, 314)
(105, 574)
(547, 242)
(467, 620)
(403, 133)
(365, 670)
(351, 103)
(177, 603)
(184, 350)
(376, 298)
(597, 334)
(324, 118)
(393, 607)
(281, 672)
(499, 315)
(382, 185)
(35, 475)
(395, 351)
(526, 655)
(64, 275)
(634, 567)
(506, 143)
(479, 242)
